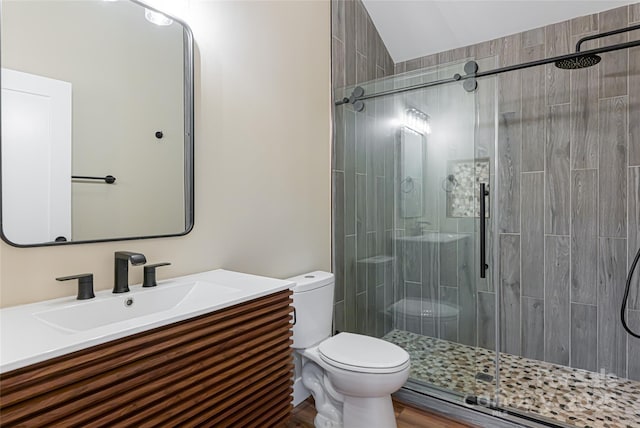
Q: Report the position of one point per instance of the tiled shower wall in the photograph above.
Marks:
(360, 180)
(569, 195)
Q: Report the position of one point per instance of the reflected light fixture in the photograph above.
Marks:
(157, 18)
(417, 121)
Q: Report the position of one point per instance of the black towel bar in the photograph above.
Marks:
(109, 179)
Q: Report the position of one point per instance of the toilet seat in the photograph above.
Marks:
(363, 354)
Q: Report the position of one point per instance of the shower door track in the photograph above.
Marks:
(487, 415)
(457, 77)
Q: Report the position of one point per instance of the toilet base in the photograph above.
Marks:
(371, 412)
(328, 403)
(336, 410)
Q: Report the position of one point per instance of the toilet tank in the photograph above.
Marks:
(313, 303)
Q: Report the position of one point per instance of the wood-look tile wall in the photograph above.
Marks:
(362, 177)
(569, 195)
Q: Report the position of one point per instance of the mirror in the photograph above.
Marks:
(97, 122)
(411, 173)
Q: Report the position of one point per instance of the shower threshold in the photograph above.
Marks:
(535, 389)
(455, 406)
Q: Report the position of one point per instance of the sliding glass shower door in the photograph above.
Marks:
(538, 335)
(407, 173)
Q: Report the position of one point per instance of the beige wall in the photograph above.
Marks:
(262, 157)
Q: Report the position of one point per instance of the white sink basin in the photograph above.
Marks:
(87, 315)
(39, 331)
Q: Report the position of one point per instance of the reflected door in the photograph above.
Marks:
(36, 158)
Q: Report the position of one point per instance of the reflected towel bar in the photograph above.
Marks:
(109, 179)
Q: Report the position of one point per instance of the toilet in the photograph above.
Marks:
(350, 376)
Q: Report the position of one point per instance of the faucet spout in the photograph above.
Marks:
(121, 269)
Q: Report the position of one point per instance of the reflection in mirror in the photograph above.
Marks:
(92, 89)
(411, 172)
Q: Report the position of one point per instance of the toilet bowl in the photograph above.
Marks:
(351, 376)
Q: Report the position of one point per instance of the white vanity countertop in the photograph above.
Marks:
(40, 331)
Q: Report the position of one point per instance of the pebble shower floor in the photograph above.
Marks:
(571, 396)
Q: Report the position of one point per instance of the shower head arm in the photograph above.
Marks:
(605, 34)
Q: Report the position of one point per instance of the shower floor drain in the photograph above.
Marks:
(484, 377)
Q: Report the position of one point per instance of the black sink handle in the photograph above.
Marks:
(85, 285)
(150, 274)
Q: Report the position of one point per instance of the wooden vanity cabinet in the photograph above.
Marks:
(229, 368)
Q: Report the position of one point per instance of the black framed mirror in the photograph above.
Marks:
(97, 122)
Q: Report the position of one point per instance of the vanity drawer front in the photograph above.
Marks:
(232, 367)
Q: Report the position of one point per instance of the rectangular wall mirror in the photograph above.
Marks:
(411, 173)
(97, 122)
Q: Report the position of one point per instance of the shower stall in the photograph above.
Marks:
(476, 225)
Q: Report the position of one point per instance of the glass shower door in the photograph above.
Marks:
(406, 225)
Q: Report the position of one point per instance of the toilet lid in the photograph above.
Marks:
(360, 353)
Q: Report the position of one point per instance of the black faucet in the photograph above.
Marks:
(85, 285)
(121, 272)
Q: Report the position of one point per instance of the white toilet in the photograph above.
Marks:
(350, 376)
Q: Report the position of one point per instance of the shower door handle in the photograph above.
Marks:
(483, 231)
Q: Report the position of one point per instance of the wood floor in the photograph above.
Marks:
(406, 417)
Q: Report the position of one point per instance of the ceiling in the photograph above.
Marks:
(411, 29)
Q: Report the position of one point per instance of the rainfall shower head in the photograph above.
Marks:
(578, 63)
(588, 60)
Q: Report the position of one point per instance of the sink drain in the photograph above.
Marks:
(128, 302)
